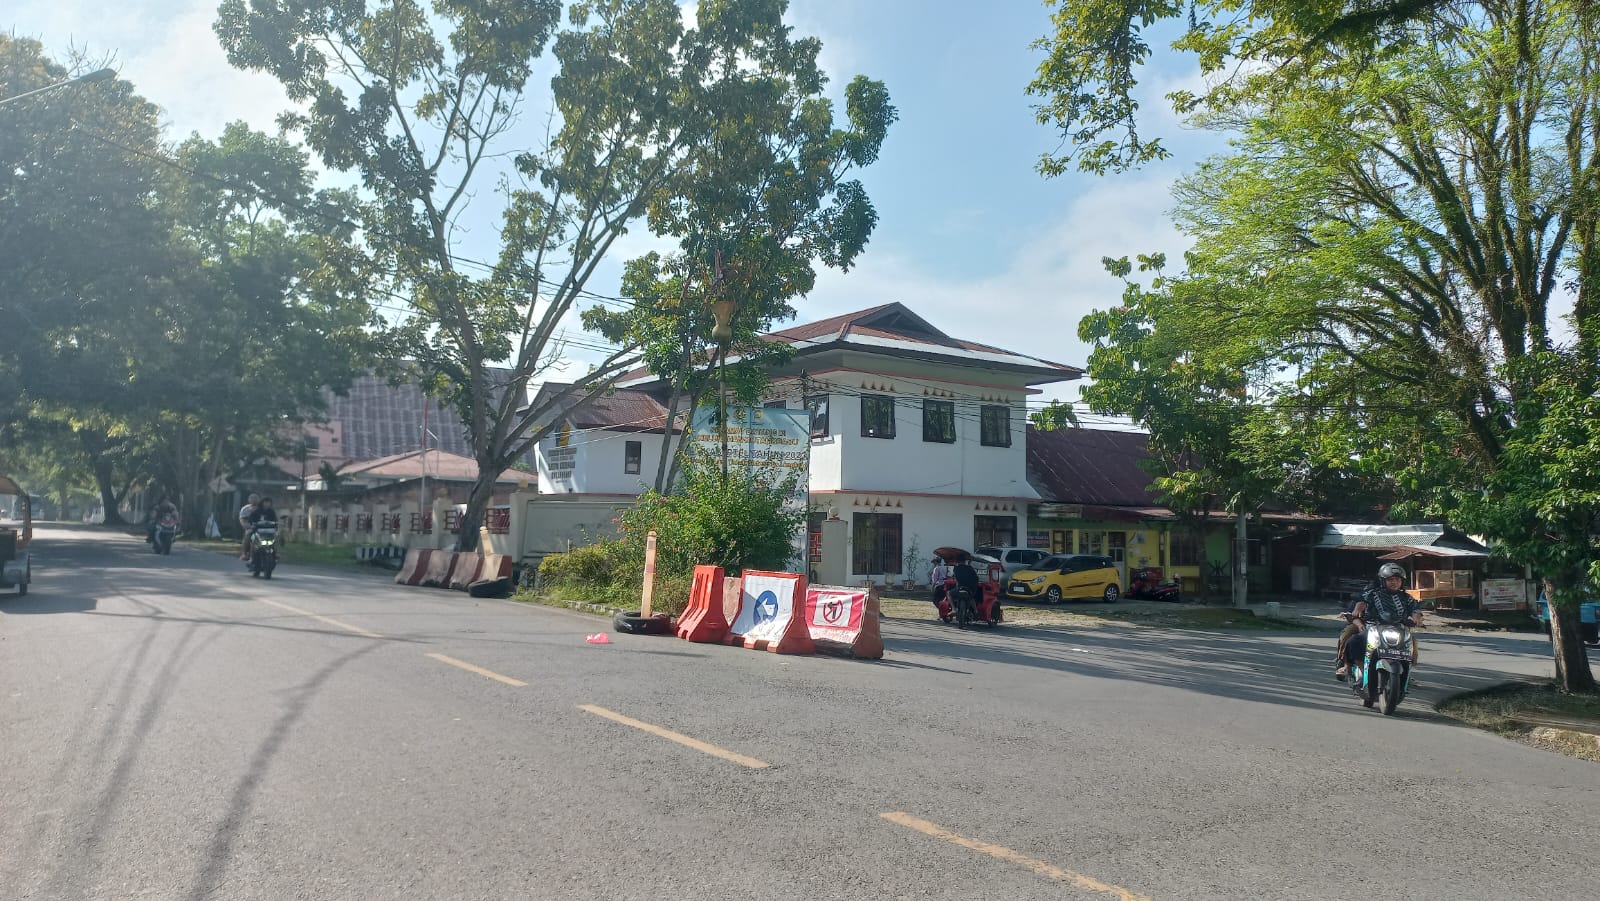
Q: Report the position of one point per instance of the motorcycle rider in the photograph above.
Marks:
(967, 579)
(165, 508)
(1385, 603)
(244, 524)
(262, 512)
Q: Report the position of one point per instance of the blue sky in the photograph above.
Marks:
(970, 236)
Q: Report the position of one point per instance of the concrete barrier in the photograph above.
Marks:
(771, 614)
(415, 567)
(844, 621)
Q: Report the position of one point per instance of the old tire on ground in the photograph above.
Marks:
(634, 624)
(492, 588)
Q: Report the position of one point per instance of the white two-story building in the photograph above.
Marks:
(918, 437)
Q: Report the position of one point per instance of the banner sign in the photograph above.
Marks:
(767, 440)
(1504, 594)
(834, 614)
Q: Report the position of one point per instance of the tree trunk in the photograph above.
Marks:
(477, 503)
(664, 469)
(94, 446)
(1572, 661)
(1241, 558)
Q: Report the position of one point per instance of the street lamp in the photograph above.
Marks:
(722, 310)
(96, 75)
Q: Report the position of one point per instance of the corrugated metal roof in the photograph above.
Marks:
(413, 465)
(1091, 466)
(621, 409)
(1401, 553)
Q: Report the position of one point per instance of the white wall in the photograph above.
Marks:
(597, 462)
(847, 460)
(930, 522)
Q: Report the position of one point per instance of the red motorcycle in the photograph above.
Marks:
(1145, 584)
(957, 605)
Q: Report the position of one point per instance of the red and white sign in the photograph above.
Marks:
(834, 614)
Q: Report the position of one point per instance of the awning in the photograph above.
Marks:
(1403, 552)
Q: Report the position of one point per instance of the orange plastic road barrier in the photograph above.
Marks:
(703, 620)
(415, 567)
(771, 615)
(437, 575)
(844, 621)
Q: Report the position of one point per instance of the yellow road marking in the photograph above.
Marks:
(1088, 883)
(681, 739)
(326, 619)
(477, 669)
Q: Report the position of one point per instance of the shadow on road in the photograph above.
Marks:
(1249, 666)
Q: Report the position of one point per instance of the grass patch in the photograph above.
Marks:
(1228, 618)
(1537, 714)
(566, 597)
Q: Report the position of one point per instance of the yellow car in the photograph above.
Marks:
(1067, 576)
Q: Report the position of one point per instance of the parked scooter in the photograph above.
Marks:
(1383, 673)
(165, 532)
(264, 551)
(1145, 584)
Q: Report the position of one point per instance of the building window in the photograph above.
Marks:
(996, 426)
(939, 421)
(1186, 547)
(817, 406)
(779, 404)
(876, 544)
(877, 416)
(998, 531)
(632, 457)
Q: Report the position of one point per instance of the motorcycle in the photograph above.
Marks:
(1384, 671)
(166, 532)
(957, 605)
(264, 551)
(1146, 585)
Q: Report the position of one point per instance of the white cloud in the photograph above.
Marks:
(167, 49)
(1031, 301)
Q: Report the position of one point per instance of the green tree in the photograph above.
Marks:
(650, 120)
(1197, 409)
(1054, 415)
(1391, 232)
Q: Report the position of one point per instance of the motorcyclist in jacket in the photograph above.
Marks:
(165, 508)
(262, 513)
(1383, 603)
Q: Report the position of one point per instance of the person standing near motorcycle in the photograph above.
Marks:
(244, 524)
(937, 576)
(1384, 603)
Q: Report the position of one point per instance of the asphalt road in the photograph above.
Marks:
(173, 729)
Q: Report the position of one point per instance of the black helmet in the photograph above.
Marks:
(1391, 569)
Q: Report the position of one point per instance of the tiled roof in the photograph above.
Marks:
(413, 465)
(893, 328)
(1090, 466)
(621, 409)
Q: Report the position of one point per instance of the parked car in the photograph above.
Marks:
(1588, 620)
(1013, 559)
(1068, 576)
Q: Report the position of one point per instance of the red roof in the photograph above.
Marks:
(1091, 466)
(619, 409)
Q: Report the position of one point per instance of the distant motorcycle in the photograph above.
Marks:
(166, 532)
(1146, 585)
(264, 551)
(1384, 671)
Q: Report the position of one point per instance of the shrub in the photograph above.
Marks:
(737, 522)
